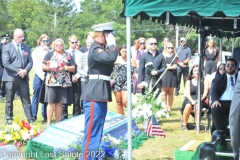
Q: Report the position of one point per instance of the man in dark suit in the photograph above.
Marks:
(17, 62)
(236, 55)
(4, 41)
(222, 93)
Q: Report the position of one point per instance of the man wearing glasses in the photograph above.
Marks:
(4, 41)
(145, 73)
(184, 56)
(222, 94)
(76, 80)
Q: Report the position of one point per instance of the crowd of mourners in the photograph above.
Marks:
(61, 74)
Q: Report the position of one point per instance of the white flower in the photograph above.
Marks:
(32, 131)
(53, 64)
(25, 135)
(135, 112)
(134, 98)
(148, 64)
(8, 137)
(16, 127)
(161, 114)
(143, 83)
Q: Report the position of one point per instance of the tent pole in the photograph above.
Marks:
(233, 42)
(221, 55)
(199, 78)
(177, 35)
(129, 87)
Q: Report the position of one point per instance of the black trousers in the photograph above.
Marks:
(221, 114)
(11, 87)
(2, 84)
(180, 72)
(77, 110)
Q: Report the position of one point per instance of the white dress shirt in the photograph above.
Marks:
(228, 93)
(38, 55)
(77, 54)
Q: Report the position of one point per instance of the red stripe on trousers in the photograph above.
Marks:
(89, 129)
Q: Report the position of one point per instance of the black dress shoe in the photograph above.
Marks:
(8, 122)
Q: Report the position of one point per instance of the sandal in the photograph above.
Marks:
(185, 128)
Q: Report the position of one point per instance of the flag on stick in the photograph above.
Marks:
(154, 128)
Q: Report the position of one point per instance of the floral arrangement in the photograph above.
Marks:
(19, 132)
(109, 150)
(146, 105)
(54, 65)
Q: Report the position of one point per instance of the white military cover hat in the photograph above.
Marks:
(103, 27)
(182, 39)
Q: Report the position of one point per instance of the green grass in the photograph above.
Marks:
(158, 148)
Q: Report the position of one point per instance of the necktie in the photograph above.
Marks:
(20, 55)
(73, 54)
(232, 82)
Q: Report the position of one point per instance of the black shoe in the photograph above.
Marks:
(176, 94)
(31, 121)
(8, 122)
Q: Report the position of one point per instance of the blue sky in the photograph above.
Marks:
(77, 3)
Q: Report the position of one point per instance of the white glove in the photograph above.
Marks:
(110, 39)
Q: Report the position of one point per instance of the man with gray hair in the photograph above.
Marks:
(17, 62)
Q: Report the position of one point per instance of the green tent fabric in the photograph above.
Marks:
(217, 14)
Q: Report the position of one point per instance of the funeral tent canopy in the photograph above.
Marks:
(217, 14)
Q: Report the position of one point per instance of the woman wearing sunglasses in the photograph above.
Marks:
(38, 55)
(169, 81)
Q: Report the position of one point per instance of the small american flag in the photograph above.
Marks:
(153, 128)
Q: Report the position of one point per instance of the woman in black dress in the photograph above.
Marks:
(191, 88)
(169, 81)
(211, 58)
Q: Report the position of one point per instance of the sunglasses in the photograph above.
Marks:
(182, 41)
(141, 43)
(230, 65)
(170, 47)
(74, 42)
(153, 44)
(45, 41)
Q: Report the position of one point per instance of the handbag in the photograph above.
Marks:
(42, 90)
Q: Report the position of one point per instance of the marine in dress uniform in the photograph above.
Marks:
(98, 90)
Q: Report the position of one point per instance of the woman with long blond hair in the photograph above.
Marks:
(211, 57)
(169, 80)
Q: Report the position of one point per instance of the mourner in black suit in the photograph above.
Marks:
(17, 62)
(222, 93)
(4, 41)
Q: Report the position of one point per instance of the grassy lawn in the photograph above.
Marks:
(158, 148)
